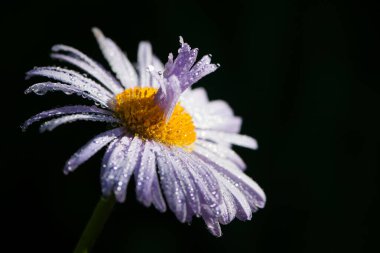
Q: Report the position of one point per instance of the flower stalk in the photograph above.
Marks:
(95, 225)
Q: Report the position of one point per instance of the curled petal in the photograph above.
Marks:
(168, 95)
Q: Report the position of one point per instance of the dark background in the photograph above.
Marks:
(304, 75)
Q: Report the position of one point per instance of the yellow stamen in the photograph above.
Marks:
(143, 117)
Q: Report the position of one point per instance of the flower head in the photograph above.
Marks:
(175, 142)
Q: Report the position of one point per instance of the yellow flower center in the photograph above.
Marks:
(143, 117)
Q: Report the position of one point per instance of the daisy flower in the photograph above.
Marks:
(169, 137)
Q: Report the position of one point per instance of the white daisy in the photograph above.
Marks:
(175, 142)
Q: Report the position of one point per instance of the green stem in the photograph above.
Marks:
(95, 225)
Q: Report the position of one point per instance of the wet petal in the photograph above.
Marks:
(72, 78)
(172, 190)
(113, 161)
(65, 110)
(118, 61)
(42, 88)
(131, 160)
(223, 152)
(168, 95)
(243, 210)
(92, 147)
(253, 192)
(144, 59)
(222, 137)
(77, 58)
(52, 124)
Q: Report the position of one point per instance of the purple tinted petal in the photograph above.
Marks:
(182, 66)
(243, 210)
(130, 162)
(112, 164)
(147, 186)
(204, 180)
(172, 190)
(52, 124)
(60, 111)
(84, 62)
(73, 78)
(187, 183)
(92, 147)
(183, 62)
(213, 225)
(144, 175)
(118, 61)
(88, 65)
(42, 88)
(201, 69)
(228, 208)
(105, 168)
(253, 192)
(157, 198)
(168, 95)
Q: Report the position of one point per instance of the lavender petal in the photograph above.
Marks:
(92, 147)
(52, 124)
(72, 78)
(65, 110)
(82, 61)
(42, 88)
(131, 160)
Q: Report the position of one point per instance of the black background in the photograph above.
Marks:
(304, 75)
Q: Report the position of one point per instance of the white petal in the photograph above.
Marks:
(206, 121)
(223, 152)
(222, 137)
(118, 61)
(144, 59)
